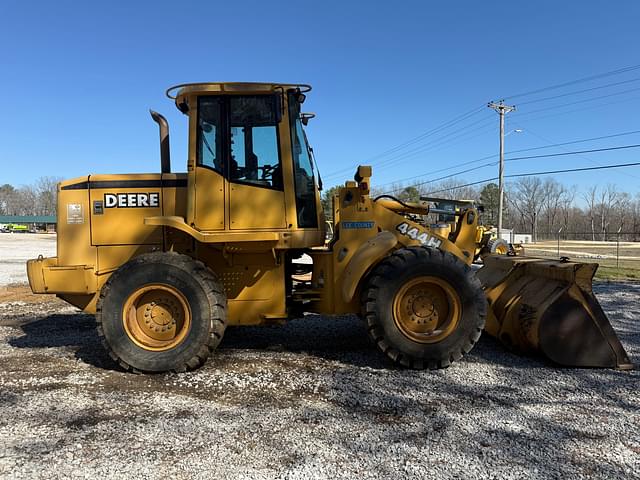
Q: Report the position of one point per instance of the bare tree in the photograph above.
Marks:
(552, 192)
(528, 198)
(47, 190)
(590, 198)
(7, 199)
(608, 202)
(566, 205)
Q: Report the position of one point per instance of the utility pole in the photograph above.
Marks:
(501, 108)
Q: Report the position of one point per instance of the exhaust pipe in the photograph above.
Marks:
(165, 156)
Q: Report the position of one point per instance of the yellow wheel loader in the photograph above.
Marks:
(447, 212)
(167, 260)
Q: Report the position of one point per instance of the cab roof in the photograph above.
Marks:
(232, 87)
(177, 93)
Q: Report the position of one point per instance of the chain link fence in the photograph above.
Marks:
(617, 253)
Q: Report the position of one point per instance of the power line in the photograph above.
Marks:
(440, 170)
(520, 114)
(577, 152)
(567, 143)
(413, 152)
(418, 138)
(573, 82)
(568, 170)
(579, 91)
(590, 107)
(451, 122)
(426, 146)
(431, 145)
(620, 147)
(472, 112)
(438, 142)
(581, 156)
(463, 186)
(469, 162)
(464, 116)
(409, 152)
(534, 174)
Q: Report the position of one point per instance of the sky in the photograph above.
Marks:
(78, 79)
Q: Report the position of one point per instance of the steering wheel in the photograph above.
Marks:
(267, 171)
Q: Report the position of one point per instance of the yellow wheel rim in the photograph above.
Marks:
(502, 249)
(427, 309)
(156, 317)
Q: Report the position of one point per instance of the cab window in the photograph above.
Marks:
(238, 137)
(255, 156)
(209, 151)
(305, 188)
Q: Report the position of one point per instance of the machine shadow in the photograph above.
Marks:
(76, 332)
(343, 340)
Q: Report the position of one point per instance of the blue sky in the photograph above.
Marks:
(78, 79)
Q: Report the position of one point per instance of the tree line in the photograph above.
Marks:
(40, 198)
(543, 208)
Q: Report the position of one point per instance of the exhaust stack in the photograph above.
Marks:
(165, 156)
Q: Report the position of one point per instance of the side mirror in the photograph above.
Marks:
(305, 117)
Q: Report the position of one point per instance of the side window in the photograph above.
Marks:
(209, 152)
(255, 157)
(302, 169)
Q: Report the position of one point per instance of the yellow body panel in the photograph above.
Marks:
(128, 192)
(73, 226)
(209, 198)
(256, 208)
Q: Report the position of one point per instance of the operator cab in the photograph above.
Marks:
(250, 166)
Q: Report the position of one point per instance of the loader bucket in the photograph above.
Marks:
(548, 307)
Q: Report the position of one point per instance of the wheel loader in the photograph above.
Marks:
(487, 241)
(166, 261)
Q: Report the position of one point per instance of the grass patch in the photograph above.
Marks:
(613, 273)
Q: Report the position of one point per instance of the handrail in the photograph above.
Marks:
(302, 86)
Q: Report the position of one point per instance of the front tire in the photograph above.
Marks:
(161, 312)
(424, 308)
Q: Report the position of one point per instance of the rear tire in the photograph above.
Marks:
(424, 307)
(161, 312)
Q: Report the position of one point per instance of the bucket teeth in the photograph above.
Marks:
(548, 307)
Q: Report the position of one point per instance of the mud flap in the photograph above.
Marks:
(548, 307)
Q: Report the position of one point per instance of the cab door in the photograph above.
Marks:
(209, 191)
(238, 163)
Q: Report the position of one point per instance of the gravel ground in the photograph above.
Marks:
(17, 248)
(311, 399)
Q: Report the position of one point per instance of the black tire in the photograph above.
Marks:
(499, 246)
(401, 268)
(200, 287)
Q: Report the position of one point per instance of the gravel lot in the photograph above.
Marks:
(311, 399)
(17, 248)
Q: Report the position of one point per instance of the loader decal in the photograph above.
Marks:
(358, 225)
(132, 200)
(413, 233)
